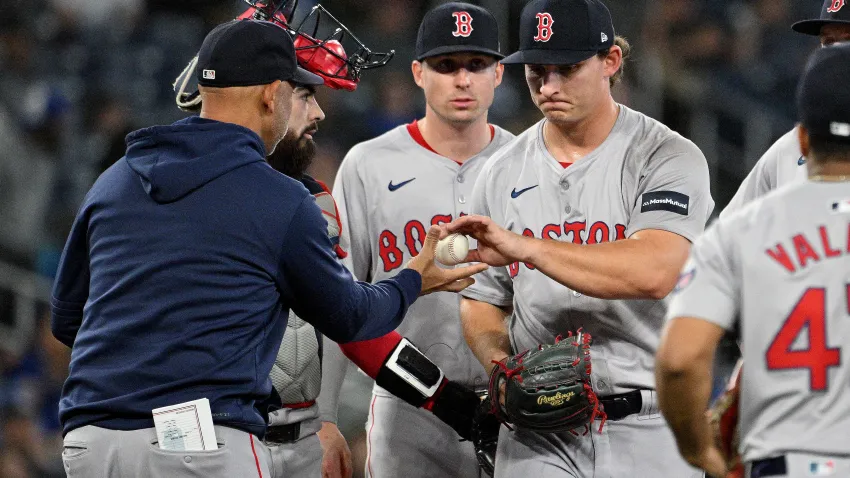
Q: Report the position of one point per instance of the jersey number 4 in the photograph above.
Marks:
(809, 314)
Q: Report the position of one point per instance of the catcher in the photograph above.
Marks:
(782, 265)
(296, 428)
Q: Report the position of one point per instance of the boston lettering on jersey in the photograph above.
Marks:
(665, 201)
(576, 232)
(806, 251)
(392, 256)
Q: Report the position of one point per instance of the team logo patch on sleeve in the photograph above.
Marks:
(665, 201)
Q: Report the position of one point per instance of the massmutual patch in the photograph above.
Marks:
(665, 201)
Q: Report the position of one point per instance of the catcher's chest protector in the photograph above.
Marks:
(297, 371)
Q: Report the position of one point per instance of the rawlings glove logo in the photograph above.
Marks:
(555, 400)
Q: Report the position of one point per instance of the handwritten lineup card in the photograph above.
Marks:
(185, 426)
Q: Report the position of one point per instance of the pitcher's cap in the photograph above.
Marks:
(562, 32)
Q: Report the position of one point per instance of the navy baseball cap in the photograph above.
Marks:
(824, 109)
(248, 53)
(833, 11)
(562, 32)
(458, 27)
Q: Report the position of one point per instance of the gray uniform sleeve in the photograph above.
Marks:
(761, 180)
(334, 368)
(673, 192)
(350, 196)
(709, 284)
(494, 285)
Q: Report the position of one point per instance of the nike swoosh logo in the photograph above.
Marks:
(801, 161)
(515, 194)
(393, 187)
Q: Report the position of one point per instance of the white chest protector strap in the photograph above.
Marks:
(410, 375)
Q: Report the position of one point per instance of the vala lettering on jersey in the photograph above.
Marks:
(576, 232)
(665, 201)
(515, 194)
(389, 249)
(805, 252)
(394, 187)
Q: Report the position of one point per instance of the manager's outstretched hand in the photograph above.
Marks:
(496, 245)
(435, 278)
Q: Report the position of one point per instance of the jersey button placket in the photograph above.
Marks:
(565, 186)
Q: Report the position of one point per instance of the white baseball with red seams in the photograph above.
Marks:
(453, 249)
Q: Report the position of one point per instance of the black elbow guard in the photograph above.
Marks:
(410, 375)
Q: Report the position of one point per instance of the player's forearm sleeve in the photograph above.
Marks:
(71, 287)
(334, 367)
(322, 292)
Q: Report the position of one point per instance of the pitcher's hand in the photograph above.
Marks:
(435, 278)
(496, 245)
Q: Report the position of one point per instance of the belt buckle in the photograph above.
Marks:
(617, 408)
(282, 434)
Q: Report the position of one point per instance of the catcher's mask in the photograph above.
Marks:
(318, 39)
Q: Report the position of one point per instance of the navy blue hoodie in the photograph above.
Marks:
(179, 272)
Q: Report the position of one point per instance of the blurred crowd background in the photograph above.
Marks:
(77, 75)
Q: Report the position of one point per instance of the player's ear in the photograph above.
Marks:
(803, 138)
(500, 70)
(416, 68)
(613, 61)
(270, 96)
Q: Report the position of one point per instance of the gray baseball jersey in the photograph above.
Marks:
(781, 164)
(643, 176)
(390, 190)
(782, 264)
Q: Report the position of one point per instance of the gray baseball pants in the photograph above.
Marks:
(94, 452)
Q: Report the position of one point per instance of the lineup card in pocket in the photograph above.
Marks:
(186, 426)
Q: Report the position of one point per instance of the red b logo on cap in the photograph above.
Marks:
(544, 27)
(836, 6)
(463, 24)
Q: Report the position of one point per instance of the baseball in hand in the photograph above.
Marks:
(453, 249)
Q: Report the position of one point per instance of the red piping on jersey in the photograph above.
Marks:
(300, 404)
(369, 439)
(565, 165)
(416, 134)
(371, 355)
(256, 460)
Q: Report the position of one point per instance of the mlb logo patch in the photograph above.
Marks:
(822, 468)
(209, 74)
